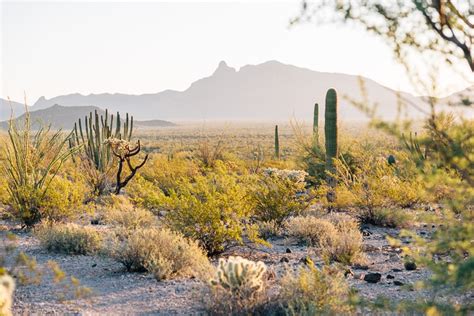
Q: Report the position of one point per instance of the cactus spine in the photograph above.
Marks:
(316, 126)
(330, 133)
(277, 143)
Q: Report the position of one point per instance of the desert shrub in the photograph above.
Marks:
(63, 199)
(214, 209)
(279, 194)
(144, 193)
(208, 153)
(120, 212)
(31, 161)
(387, 217)
(162, 252)
(269, 229)
(237, 287)
(69, 238)
(314, 231)
(313, 291)
(374, 183)
(337, 236)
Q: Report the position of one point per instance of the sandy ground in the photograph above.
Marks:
(116, 292)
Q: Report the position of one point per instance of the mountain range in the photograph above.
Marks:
(64, 117)
(268, 91)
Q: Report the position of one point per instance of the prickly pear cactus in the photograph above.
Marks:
(239, 276)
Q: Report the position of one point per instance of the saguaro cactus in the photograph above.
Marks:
(330, 132)
(316, 125)
(277, 143)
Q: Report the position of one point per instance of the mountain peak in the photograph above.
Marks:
(223, 68)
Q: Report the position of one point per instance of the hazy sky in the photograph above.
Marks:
(54, 48)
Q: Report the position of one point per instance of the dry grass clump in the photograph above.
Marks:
(313, 291)
(337, 236)
(69, 238)
(120, 212)
(314, 231)
(162, 252)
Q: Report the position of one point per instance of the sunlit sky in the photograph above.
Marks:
(54, 48)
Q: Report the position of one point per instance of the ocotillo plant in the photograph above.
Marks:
(92, 138)
(316, 126)
(277, 143)
(330, 132)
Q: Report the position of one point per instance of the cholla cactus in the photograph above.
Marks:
(297, 176)
(7, 287)
(240, 276)
(119, 146)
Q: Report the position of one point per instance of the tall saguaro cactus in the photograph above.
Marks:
(330, 133)
(316, 126)
(277, 143)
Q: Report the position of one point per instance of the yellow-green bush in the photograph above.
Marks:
(69, 238)
(279, 194)
(313, 291)
(162, 252)
(214, 209)
(314, 231)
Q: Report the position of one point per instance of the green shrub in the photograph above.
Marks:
(313, 291)
(162, 252)
(69, 238)
(31, 161)
(279, 194)
(214, 209)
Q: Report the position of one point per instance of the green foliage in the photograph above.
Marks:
(237, 287)
(69, 238)
(162, 252)
(213, 209)
(32, 159)
(279, 194)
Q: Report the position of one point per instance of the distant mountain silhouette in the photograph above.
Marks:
(64, 117)
(6, 108)
(268, 91)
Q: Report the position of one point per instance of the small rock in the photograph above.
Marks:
(366, 232)
(422, 233)
(288, 250)
(284, 259)
(389, 276)
(94, 222)
(360, 267)
(372, 277)
(398, 283)
(397, 270)
(94, 265)
(410, 265)
(348, 272)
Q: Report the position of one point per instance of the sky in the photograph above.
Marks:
(55, 48)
